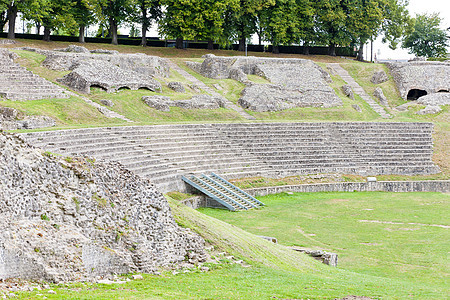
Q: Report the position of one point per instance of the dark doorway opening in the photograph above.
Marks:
(415, 94)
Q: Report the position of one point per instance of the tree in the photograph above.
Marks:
(82, 12)
(427, 39)
(113, 12)
(146, 12)
(196, 19)
(241, 22)
(29, 8)
(3, 18)
(280, 23)
(331, 17)
(306, 23)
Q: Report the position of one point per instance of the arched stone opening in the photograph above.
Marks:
(123, 88)
(415, 94)
(443, 91)
(145, 88)
(97, 87)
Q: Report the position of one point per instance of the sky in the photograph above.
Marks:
(414, 7)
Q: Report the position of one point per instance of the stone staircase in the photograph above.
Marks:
(163, 153)
(223, 192)
(359, 90)
(17, 83)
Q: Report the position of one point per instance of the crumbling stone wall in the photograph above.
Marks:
(430, 77)
(73, 218)
(295, 82)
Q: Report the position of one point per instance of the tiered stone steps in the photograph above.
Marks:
(160, 153)
(353, 148)
(163, 153)
(17, 83)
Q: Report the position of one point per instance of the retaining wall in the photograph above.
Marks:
(442, 186)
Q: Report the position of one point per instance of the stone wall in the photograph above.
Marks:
(431, 77)
(75, 218)
(442, 186)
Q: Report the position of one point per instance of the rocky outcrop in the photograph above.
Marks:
(435, 99)
(66, 219)
(11, 119)
(164, 103)
(295, 82)
(379, 77)
(430, 110)
(428, 77)
(378, 93)
(176, 86)
(348, 91)
(108, 77)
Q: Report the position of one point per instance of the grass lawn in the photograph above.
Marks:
(402, 236)
(275, 271)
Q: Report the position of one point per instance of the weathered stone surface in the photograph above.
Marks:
(195, 88)
(7, 42)
(104, 51)
(107, 102)
(108, 77)
(435, 99)
(271, 97)
(429, 110)
(348, 91)
(8, 114)
(74, 48)
(428, 76)
(378, 93)
(418, 58)
(74, 219)
(161, 103)
(357, 107)
(201, 102)
(176, 86)
(300, 79)
(196, 66)
(34, 122)
(140, 63)
(379, 77)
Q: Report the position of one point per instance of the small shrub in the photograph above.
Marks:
(44, 217)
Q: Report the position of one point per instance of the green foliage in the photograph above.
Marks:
(44, 217)
(427, 39)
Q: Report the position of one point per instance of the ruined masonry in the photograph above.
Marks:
(294, 82)
(163, 153)
(17, 83)
(75, 219)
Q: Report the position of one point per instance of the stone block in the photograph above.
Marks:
(379, 77)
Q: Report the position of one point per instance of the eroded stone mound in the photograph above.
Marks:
(95, 73)
(435, 99)
(72, 219)
(139, 63)
(295, 82)
(164, 103)
(419, 78)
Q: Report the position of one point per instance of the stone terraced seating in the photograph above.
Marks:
(17, 83)
(165, 152)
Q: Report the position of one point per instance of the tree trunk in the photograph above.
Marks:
(210, 45)
(275, 49)
(144, 26)
(144, 34)
(306, 48)
(46, 34)
(81, 35)
(3, 20)
(38, 28)
(179, 43)
(12, 14)
(241, 44)
(332, 49)
(113, 31)
(360, 55)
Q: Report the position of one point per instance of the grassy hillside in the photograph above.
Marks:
(269, 271)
